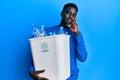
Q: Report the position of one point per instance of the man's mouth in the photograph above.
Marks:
(68, 21)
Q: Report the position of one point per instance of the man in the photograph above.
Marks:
(77, 47)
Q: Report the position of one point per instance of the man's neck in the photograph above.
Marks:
(62, 24)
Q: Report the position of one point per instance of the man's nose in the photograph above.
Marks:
(71, 16)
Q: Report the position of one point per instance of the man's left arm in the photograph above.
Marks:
(81, 51)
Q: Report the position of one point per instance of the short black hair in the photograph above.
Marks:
(70, 5)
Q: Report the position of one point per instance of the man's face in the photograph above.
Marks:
(69, 15)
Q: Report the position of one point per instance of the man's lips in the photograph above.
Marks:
(68, 20)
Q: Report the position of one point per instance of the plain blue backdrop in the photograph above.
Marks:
(98, 20)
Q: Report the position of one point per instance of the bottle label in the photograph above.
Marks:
(44, 47)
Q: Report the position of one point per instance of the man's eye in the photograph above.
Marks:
(67, 12)
(74, 15)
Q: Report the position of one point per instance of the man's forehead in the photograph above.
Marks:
(70, 8)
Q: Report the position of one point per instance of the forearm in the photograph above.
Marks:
(81, 51)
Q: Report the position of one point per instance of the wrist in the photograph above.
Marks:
(77, 33)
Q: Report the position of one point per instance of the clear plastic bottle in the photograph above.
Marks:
(50, 33)
(61, 30)
(42, 31)
(35, 31)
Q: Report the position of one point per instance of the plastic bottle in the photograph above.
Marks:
(42, 31)
(61, 30)
(35, 31)
(50, 33)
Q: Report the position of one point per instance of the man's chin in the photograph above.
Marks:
(68, 25)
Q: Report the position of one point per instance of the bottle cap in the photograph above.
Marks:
(42, 25)
(33, 25)
(50, 33)
(61, 27)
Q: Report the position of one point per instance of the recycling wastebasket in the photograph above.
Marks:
(52, 53)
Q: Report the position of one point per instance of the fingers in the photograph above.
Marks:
(42, 78)
(35, 76)
(74, 21)
(35, 73)
(40, 71)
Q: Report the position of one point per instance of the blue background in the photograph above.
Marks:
(98, 20)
